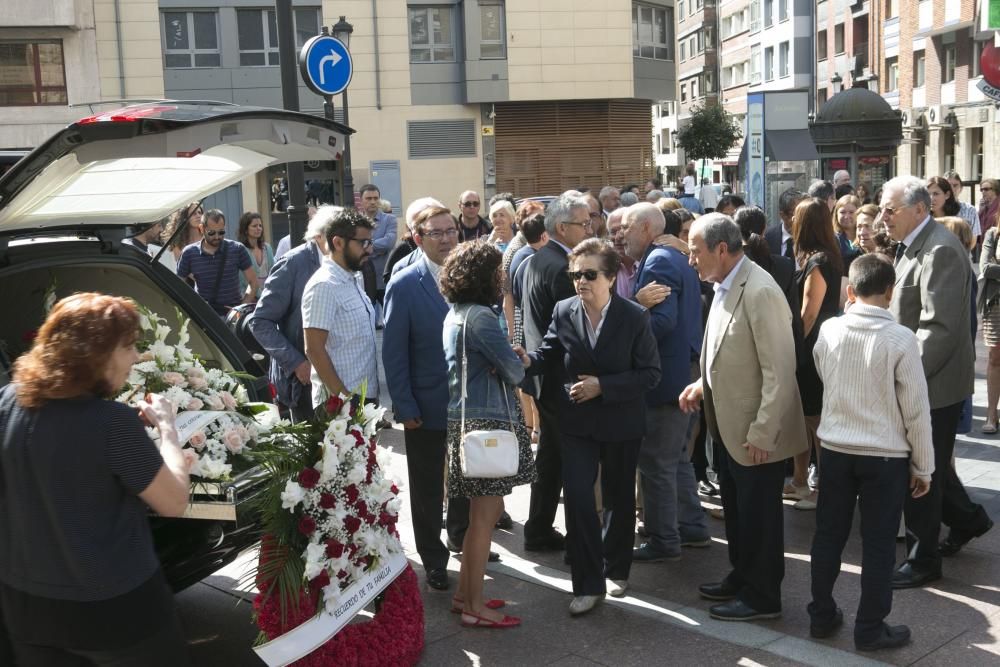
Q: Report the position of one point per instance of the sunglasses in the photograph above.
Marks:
(214, 233)
(470, 203)
(589, 274)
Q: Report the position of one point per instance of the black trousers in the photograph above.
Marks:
(699, 453)
(303, 410)
(426, 453)
(879, 486)
(595, 556)
(548, 464)
(751, 499)
(947, 499)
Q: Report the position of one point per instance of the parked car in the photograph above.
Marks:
(64, 211)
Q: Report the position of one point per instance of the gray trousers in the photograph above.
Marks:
(671, 508)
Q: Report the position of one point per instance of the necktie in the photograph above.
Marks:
(789, 252)
(900, 249)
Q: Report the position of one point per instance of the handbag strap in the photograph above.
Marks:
(465, 372)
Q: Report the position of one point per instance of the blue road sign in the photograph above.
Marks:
(326, 65)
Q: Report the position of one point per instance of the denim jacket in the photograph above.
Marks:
(486, 349)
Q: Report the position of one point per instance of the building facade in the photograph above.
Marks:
(734, 67)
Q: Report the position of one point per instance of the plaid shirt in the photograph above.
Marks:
(334, 300)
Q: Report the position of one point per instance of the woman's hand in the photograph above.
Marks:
(523, 356)
(587, 388)
(157, 411)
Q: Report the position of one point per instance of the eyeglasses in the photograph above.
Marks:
(439, 234)
(888, 210)
(470, 203)
(986, 189)
(581, 224)
(365, 243)
(589, 274)
(221, 232)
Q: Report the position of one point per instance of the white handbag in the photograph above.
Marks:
(487, 454)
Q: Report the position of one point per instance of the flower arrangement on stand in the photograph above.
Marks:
(330, 517)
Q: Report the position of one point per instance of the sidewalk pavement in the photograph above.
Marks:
(663, 620)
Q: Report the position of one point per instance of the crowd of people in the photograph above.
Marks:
(640, 349)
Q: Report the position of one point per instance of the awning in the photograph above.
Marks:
(789, 145)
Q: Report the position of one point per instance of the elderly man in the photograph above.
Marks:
(824, 190)
(931, 298)
(215, 264)
(277, 321)
(779, 237)
(417, 376)
(841, 177)
(471, 225)
(672, 511)
(610, 199)
(752, 407)
(545, 282)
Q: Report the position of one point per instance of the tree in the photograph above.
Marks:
(710, 133)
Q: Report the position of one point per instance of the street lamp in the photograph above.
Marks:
(342, 31)
(837, 82)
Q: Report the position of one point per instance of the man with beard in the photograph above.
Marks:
(215, 264)
(338, 318)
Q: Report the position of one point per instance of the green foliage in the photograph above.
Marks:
(709, 134)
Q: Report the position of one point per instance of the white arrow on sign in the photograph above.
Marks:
(334, 58)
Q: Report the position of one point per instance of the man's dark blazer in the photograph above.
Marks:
(783, 271)
(625, 361)
(773, 237)
(412, 354)
(544, 284)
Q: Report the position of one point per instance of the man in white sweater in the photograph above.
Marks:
(875, 433)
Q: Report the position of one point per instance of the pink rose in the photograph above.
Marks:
(228, 400)
(195, 403)
(196, 378)
(173, 378)
(190, 458)
(214, 402)
(197, 440)
(232, 440)
(243, 431)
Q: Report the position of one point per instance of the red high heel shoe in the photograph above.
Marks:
(480, 622)
(458, 605)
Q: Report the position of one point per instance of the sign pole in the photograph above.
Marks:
(297, 218)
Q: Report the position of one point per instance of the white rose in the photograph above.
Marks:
(315, 559)
(371, 412)
(292, 495)
(356, 475)
(214, 469)
(336, 429)
(331, 594)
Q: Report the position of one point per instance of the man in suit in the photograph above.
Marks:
(417, 376)
(276, 323)
(544, 283)
(752, 407)
(672, 513)
(779, 237)
(931, 298)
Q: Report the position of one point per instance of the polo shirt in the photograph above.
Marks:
(234, 259)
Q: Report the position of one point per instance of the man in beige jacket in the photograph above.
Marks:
(752, 406)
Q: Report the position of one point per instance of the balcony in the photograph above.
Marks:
(919, 98)
(41, 14)
(925, 15)
(948, 93)
(890, 33)
(952, 11)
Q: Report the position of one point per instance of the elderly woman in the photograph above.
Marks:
(603, 349)
(475, 346)
(80, 582)
(502, 218)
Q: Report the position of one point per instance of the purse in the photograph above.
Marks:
(487, 454)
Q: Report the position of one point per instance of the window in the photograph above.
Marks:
(684, 96)
(683, 51)
(680, 10)
(838, 39)
(709, 82)
(652, 32)
(32, 73)
(755, 68)
(782, 10)
(694, 88)
(821, 45)
(768, 13)
(892, 8)
(258, 34)
(783, 51)
(432, 35)
(754, 15)
(892, 74)
(977, 54)
(492, 30)
(948, 64)
(821, 98)
(190, 39)
(709, 37)
(769, 63)
(919, 68)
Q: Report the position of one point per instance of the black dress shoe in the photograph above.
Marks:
(957, 539)
(554, 541)
(891, 637)
(822, 631)
(737, 610)
(437, 578)
(494, 557)
(719, 592)
(909, 576)
(505, 522)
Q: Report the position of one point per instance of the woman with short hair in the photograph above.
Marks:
(80, 582)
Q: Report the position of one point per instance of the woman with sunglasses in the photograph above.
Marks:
(603, 349)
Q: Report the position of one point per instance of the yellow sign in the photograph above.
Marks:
(487, 130)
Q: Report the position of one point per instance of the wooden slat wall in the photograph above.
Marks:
(545, 148)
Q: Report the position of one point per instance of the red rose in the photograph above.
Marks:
(334, 549)
(352, 549)
(333, 405)
(327, 501)
(352, 493)
(387, 520)
(342, 574)
(369, 518)
(308, 478)
(351, 524)
(362, 507)
(307, 525)
(394, 489)
(321, 580)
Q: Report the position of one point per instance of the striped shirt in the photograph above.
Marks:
(970, 215)
(205, 269)
(334, 301)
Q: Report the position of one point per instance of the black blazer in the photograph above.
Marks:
(625, 361)
(544, 283)
(773, 237)
(783, 271)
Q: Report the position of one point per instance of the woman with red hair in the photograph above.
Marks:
(80, 582)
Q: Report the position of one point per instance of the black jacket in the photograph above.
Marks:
(544, 283)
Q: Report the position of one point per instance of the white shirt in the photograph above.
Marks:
(592, 333)
(689, 186)
(435, 269)
(912, 236)
(721, 289)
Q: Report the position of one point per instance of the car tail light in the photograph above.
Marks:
(126, 115)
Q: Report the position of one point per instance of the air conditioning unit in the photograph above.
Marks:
(935, 115)
(911, 118)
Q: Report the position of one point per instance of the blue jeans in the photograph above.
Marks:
(669, 489)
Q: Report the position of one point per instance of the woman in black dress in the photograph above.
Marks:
(819, 276)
